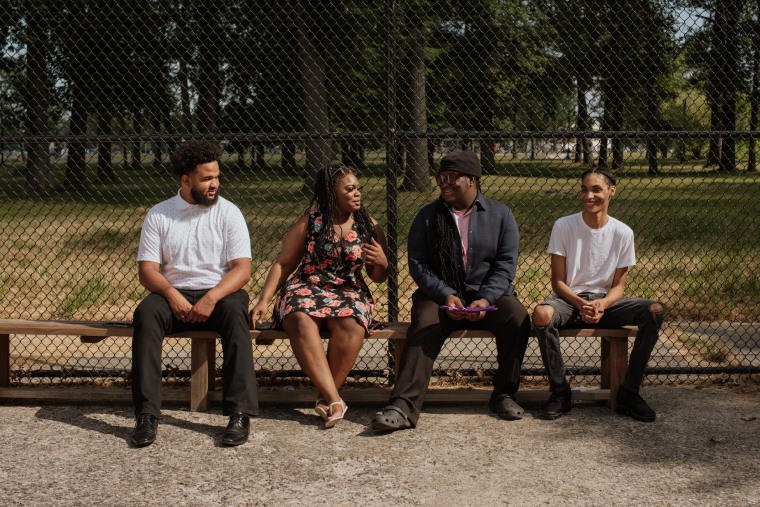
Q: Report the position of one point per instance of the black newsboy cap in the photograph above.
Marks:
(464, 161)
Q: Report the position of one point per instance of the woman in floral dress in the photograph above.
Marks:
(331, 244)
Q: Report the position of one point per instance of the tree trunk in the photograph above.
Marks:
(316, 114)
(182, 74)
(652, 98)
(39, 175)
(727, 60)
(351, 154)
(76, 174)
(157, 162)
(124, 145)
(615, 99)
(715, 103)
(105, 164)
(583, 151)
(240, 150)
(184, 94)
(603, 142)
(513, 120)
(288, 159)
(208, 67)
(414, 100)
(754, 95)
(259, 163)
(728, 151)
(137, 129)
(485, 122)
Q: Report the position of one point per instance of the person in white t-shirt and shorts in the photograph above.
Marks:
(194, 258)
(591, 253)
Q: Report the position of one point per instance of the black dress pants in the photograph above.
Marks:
(154, 319)
(429, 329)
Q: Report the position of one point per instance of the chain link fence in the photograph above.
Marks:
(665, 93)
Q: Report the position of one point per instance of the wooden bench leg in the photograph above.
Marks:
(211, 353)
(199, 374)
(5, 360)
(614, 365)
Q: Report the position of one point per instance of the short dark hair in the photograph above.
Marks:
(190, 154)
(598, 170)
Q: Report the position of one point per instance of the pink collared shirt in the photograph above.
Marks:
(462, 219)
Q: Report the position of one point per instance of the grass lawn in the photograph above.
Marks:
(72, 255)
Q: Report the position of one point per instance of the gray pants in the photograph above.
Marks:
(624, 312)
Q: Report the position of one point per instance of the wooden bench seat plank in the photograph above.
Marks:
(614, 349)
(394, 331)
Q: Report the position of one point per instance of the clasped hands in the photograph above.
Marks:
(199, 312)
(593, 311)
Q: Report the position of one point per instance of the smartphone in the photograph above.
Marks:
(467, 310)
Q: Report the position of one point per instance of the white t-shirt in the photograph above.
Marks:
(194, 244)
(592, 255)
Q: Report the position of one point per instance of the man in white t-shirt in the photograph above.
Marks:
(590, 256)
(194, 258)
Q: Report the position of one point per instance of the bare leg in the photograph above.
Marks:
(346, 339)
(306, 343)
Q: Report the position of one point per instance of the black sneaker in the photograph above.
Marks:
(632, 404)
(558, 404)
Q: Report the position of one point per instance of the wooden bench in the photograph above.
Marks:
(613, 352)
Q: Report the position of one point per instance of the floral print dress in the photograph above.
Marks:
(333, 287)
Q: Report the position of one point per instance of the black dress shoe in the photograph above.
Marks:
(144, 433)
(558, 403)
(237, 430)
(632, 404)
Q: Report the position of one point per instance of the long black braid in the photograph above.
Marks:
(326, 201)
(445, 248)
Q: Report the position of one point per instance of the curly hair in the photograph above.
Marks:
(190, 154)
(326, 201)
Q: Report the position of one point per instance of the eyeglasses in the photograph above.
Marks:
(448, 178)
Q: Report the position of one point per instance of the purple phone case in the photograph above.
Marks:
(467, 310)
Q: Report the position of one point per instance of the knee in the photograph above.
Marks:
(237, 301)
(299, 324)
(656, 311)
(542, 315)
(231, 307)
(651, 312)
(150, 310)
(348, 327)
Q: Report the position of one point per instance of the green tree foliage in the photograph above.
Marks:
(287, 68)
